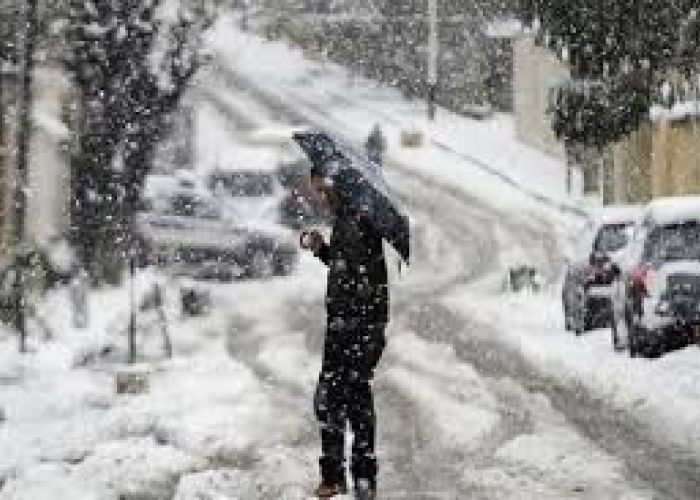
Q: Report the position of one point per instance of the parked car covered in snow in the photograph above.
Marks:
(297, 208)
(185, 224)
(586, 294)
(249, 187)
(657, 294)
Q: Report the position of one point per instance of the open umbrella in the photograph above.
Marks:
(360, 186)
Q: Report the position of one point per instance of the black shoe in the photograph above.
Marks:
(365, 489)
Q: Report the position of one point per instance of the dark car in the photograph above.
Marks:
(586, 294)
(657, 295)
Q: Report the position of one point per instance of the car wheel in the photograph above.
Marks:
(636, 334)
(284, 266)
(580, 324)
(580, 317)
(567, 319)
(577, 326)
(619, 328)
(581, 320)
(261, 264)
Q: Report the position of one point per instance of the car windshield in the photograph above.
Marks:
(673, 243)
(612, 237)
(190, 205)
(244, 183)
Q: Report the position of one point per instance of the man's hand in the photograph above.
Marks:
(312, 240)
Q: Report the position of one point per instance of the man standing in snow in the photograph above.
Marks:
(357, 305)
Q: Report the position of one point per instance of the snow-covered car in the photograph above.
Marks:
(297, 208)
(185, 224)
(586, 294)
(656, 303)
(248, 187)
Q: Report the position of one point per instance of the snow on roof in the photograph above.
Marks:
(272, 135)
(504, 28)
(186, 179)
(618, 214)
(247, 158)
(673, 210)
(158, 185)
(678, 111)
(163, 185)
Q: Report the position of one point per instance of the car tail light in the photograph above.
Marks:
(595, 272)
(640, 278)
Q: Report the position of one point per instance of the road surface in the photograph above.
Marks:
(486, 424)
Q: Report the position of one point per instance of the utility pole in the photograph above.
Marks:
(245, 10)
(433, 50)
(132, 307)
(30, 32)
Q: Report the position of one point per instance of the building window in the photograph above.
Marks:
(591, 179)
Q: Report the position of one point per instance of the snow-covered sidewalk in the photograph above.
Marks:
(66, 433)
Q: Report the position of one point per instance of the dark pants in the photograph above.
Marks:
(344, 395)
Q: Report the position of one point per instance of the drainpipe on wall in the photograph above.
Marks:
(432, 57)
(568, 160)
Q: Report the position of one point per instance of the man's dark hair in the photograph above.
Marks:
(317, 170)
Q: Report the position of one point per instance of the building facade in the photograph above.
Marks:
(48, 164)
(537, 73)
(9, 99)
(51, 144)
(661, 158)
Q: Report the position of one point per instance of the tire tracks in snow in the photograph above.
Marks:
(616, 432)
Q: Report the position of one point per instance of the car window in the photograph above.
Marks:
(243, 183)
(613, 237)
(186, 205)
(673, 242)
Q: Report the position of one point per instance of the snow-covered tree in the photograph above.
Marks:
(10, 13)
(629, 46)
(131, 61)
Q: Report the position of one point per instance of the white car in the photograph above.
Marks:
(184, 224)
(248, 186)
(297, 208)
(656, 303)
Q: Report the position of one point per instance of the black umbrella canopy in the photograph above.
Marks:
(360, 186)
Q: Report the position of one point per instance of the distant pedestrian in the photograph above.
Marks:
(376, 146)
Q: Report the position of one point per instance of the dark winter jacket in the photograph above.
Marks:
(357, 293)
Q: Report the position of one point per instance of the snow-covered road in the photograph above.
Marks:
(460, 415)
